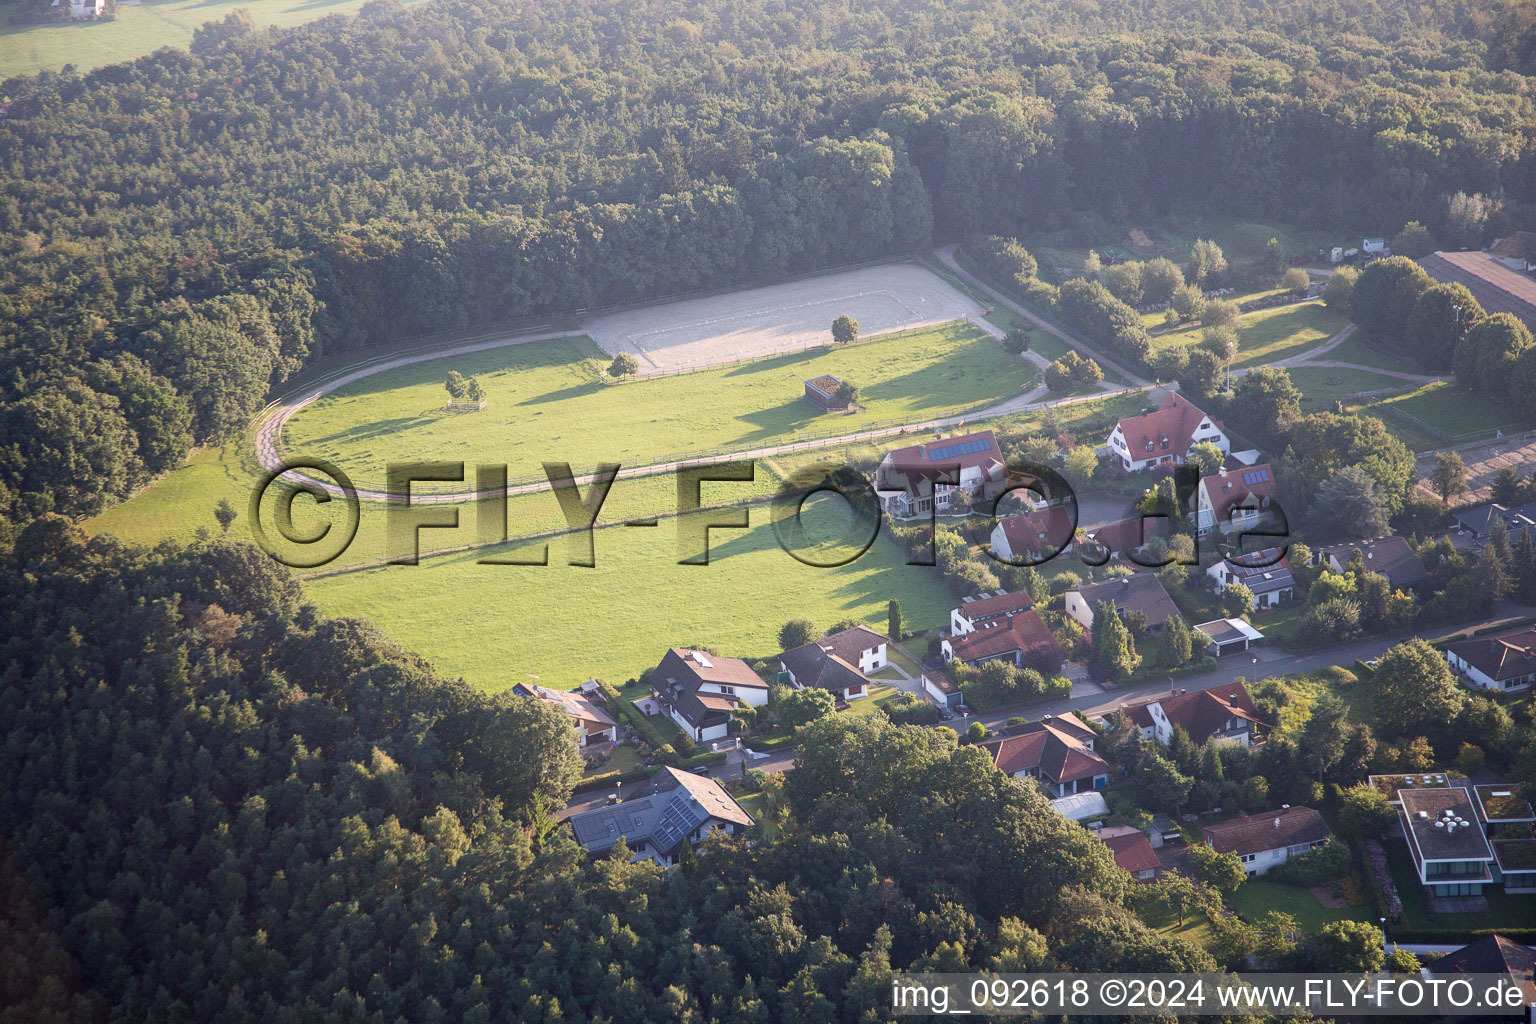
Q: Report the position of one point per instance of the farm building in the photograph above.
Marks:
(822, 393)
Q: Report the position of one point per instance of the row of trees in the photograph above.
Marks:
(579, 158)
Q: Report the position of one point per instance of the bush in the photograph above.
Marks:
(1003, 259)
(907, 709)
(623, 365)
(1090, 307)
(631, 717)
(608, 780)
(755, 779)
(1314, 867)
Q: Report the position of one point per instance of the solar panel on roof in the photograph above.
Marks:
(680, 818)
(1255, 476)
(954, 451)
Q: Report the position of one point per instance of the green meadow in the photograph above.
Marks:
(497, 625)
(546, 401)
(141, 29)
(1270, 335)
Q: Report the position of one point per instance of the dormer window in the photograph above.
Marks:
(1151, 446)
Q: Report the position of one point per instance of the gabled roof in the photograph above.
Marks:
(1023, 632)
(976, 449)
(1035, 531)
(1249, 487)
(1170, 428)
(1133, 851)
(1517, 520)
(997, 606)
(813, 665)
(1261, 571)
(665, 811)
(1130, 534)
(1257, 833)
(578, 705)
(1393, 557)
(1492, 954)
(682, 671)
(1141, 592)
(850, 643)
(1055, 747)
(1203, 713)
(1506, 655)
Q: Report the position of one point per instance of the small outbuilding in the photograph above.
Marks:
(822, 392)
(1228, 636)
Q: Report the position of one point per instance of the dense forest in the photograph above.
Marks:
(222, 807)
(183, 232)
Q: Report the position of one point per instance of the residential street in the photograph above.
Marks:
(1261, 664)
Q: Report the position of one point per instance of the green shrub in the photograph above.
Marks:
(1314, 867)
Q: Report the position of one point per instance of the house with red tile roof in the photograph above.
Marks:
(1162, 437)
(1034, 537)
(1223, 713)
(1058, 751)
(1234, 500)
(1126, 537)
(975, 611)
(593, 725)
(1021, 638)
(923, 479)
(1133, 852)
(1264, 841)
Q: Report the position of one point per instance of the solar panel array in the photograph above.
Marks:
(954, 451)
(681, 817)
(1255, 476)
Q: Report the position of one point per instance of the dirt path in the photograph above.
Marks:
(946, 256)
(268, 428)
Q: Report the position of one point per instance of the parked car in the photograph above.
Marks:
(700, 770)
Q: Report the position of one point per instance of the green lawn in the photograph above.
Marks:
(499, 624)
(1172, 236)
(1504, 911)
(546, 402)
(181, 501)
(1452, 410)
(1353, 349)
(1256, 898)
(139, 30)
(1196, 927)
(1270, 335)
(1043, 342)
(1321, 386)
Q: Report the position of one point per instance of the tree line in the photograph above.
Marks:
(182, 232)
(224, 806)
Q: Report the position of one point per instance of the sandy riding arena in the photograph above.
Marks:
(779, 318)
